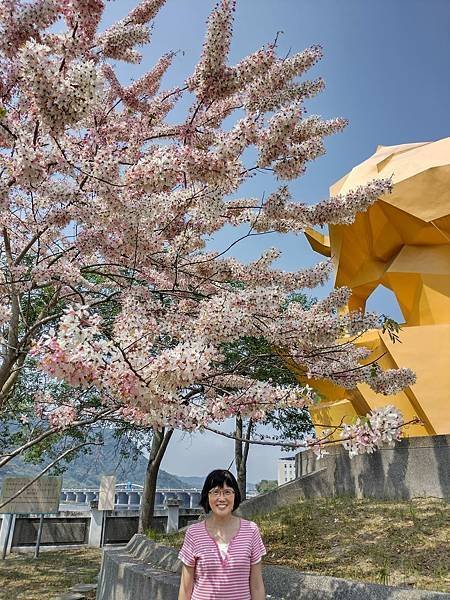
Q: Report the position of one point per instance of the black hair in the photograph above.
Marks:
(218, 478)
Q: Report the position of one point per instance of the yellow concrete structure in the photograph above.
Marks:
(403, 243)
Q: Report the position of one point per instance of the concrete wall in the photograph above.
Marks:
(148, 571)
(120, 529)
(55, 531)
(83, 528)
(413, 468)
(310, 486)
(141, 571)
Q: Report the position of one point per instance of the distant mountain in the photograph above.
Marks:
(192, 482)
(86, 469)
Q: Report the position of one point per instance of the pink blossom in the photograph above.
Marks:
(366, 435)
(63, 416)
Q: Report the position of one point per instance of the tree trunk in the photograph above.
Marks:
(241, 449)
(238, 444)
(160, 441)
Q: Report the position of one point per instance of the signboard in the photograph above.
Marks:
(42, 496)
(107, 493)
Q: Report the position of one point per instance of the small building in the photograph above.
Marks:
(286, 469)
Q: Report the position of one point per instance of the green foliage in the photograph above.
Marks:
(392, 328)
(300, 298)
(152, 534)
(167, 539)
(290, 423)
(384, 573)
(254, 357)
(265, 485)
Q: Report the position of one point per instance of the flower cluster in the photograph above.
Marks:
(82, 17)
(390, 381)
(62, 416)
(60, 99)
(208, 79)
(23, 21)
(381, 426)
(276, 86)
(118, 41)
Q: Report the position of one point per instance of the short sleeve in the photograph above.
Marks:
(258, 548)
(187, 552)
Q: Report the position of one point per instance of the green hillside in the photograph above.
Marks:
(86, 469)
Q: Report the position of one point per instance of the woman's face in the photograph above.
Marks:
(221, 500)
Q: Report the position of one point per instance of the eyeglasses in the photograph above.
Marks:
(224, 493)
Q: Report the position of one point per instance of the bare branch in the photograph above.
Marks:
(318, 441)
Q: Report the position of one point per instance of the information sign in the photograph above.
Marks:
(42, 496)
(107, 494)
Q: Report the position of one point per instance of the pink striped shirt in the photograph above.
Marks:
(216, 578)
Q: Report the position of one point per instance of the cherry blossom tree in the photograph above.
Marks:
(254, 358)
(106, 200)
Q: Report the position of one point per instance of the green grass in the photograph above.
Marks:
(394, 543)
(23, 577)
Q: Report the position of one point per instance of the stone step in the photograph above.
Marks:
(84, 587)
(70, 596)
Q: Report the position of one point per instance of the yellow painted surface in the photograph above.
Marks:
(403, 243)
(318, 241)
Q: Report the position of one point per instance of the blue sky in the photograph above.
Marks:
(386, 67)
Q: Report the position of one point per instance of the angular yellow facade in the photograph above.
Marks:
(403, 243)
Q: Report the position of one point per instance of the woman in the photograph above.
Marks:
(222, 555)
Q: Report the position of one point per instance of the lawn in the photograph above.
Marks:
(23, 577)
(395, 543)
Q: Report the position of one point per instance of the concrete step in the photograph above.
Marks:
(84, 587)
(70, 596)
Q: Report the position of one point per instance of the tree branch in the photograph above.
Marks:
(319, 441)
(165, 442)
(247, 437)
